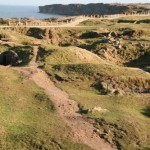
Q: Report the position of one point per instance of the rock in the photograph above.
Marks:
(118, 92)
(99, 109)
(113, 34)
(120, 46)
(105, 85)
(96, 130)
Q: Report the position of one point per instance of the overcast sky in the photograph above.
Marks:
(46, 2)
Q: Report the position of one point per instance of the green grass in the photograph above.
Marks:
(126, 123)
(28, 118)
(95, 76)
(17, 36)
(66, 55)
(3, 48)
(112, 25)
(129, 51)
(135, 17)
(127, 119)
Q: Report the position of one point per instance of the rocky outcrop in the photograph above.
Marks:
(80, 9)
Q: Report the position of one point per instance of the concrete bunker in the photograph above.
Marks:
(9, 58)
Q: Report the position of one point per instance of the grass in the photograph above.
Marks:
(126, 123)
(112, 25)
(3, 48)
(28, 118)
(84, 83)
(135, 18)
(95, 76)
(17, 36)
(128, 52)
(66, 55)
(130, 49)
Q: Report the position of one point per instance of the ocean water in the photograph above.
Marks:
(7, 11)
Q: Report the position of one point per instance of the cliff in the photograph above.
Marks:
(81, 9)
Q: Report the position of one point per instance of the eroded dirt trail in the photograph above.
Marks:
(82, 131)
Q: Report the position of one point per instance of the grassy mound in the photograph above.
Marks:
(67, 55)
(17, 37)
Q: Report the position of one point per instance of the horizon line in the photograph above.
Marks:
(75, 3)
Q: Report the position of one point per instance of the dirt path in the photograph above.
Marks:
(82, 131)
(76, 22)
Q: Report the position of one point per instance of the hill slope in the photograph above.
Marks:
(91, 63)
(113, 97)
(28, 118)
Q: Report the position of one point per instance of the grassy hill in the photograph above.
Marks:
(119, 93)
(92, 63)
(89, 85)
(28, 118)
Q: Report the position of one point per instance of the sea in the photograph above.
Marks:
(7, 11)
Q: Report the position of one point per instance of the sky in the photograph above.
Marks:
(48, 2)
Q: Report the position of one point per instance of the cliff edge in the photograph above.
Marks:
(81, 9)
